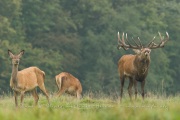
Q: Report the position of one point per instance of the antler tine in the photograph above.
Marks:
(126, 36)
(167, 36)
(152, 42)
(125, 47)
(160, 36)
(128, 41)
(119, 41)
(153, 45)
(123, 37)
(166, 39)
(122, 42)
(140, 42)
(135, 41)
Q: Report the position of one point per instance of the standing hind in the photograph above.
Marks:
(26, 80)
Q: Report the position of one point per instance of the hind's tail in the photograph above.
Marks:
(58, 82)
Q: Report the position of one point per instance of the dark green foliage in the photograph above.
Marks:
(80, 37)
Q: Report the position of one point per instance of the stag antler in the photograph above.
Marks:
(153, 45)
(122, 44)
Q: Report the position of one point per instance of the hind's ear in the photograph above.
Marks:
(10, 54)
(21, 53)
(137, 51)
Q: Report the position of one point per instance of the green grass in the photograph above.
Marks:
(101, 108)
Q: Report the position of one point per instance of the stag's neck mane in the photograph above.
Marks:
(141, 64)
(14, 73)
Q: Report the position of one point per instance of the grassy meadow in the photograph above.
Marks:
(98, 108)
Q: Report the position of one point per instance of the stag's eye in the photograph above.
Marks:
(147, 51)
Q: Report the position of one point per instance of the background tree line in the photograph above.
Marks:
(80, 37)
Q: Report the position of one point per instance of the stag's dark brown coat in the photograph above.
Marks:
(135, 67)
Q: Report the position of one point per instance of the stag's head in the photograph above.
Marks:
(15, 58)
(143, 52)
(138, 48)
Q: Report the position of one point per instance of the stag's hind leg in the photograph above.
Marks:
(35, 95)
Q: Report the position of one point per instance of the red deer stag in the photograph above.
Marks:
(69, 84)
(135, 67)
(26, 80)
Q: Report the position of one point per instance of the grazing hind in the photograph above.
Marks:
(69, 84)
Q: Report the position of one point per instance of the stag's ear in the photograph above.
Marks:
(10, 54)
(21, 53)
(137, 51)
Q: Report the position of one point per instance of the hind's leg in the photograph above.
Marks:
(16, 98)
(42, 87)
(79, 96)
(22, 97)
(35, 95)
(60, 92)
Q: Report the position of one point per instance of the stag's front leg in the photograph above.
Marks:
(122, 85)
(135, 88)
(130, 88)
(142, 88)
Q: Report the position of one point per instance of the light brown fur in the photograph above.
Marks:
(69, 84)
(26, 80)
